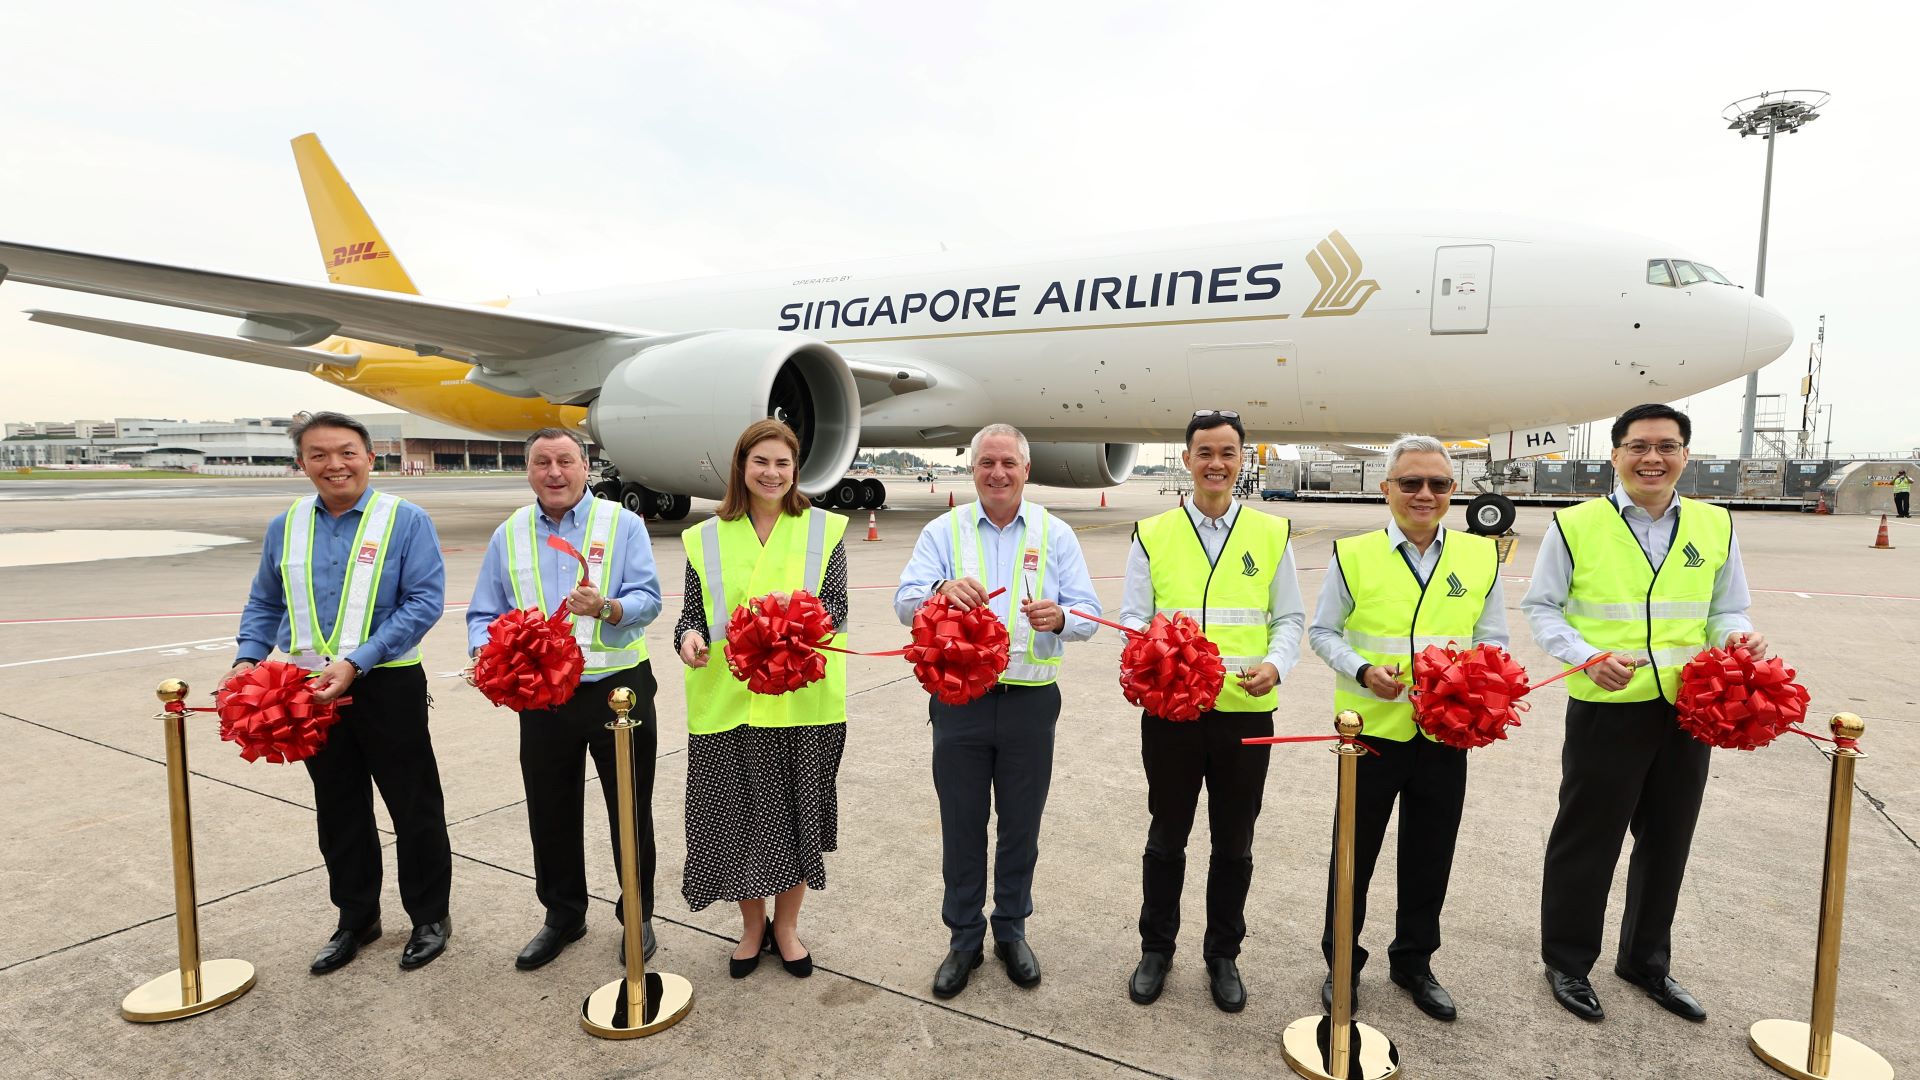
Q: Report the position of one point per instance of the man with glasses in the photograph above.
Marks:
(1651, 579)
(1388, 595)
(1230, 570)
(998, 749)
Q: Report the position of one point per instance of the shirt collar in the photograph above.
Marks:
(1019, 516)
(1625, 504)
(1201, 521)
(1398, 537)
(359, 507)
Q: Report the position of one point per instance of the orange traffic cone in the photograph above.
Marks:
(873, 526)
(1103, 499)
(949, 500)
(1880, 542)
(932, 489)
(1823, 508)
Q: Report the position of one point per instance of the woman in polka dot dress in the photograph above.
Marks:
(762, 807)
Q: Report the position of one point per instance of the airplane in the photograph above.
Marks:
(1320, 328)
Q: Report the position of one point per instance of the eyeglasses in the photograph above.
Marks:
(1668, 448)
(1411, 485)
(1204, 413)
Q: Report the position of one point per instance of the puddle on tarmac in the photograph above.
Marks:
(89, 545)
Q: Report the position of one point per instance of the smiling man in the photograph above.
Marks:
(1651, 579)
(1231, 570)
(1388, 595)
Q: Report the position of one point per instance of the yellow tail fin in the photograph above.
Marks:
(353, 250)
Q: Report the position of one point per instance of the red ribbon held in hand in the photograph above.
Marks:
(530, 660)
(1467, 698)
(557, 543)
(269, 711)
(773, 646)
(1730, 700)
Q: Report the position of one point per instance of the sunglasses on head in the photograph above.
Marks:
(1411, 485)
(1205, 413)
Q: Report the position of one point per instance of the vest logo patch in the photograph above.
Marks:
(1247, 568)
(1454, 588)
(1693, 555)
(596, 553)
(1030, 561)
(368, 553)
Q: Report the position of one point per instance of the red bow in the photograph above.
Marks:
(1467, 698)
(530, 661)
(957, 655)
(270, 712)
(771, 646)
(1730, 700)
(1170, 669)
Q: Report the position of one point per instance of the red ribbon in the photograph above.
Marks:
(1268, 740)
(269, 712)
(530, 661)
(772, 645)
(1572, 670)
(1730, 700)
(558, 543)
(1467, 698)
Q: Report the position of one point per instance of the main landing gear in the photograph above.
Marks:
(1490, 514)
(853, 493)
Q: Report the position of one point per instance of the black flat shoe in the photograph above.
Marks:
(1428, 994)
(800, 968)
(1149, 977)
(650, 944)
(955, 970)
(740, 969)
(1223, 979)
(342, 947)
(547, 944)
(1022, 966)
(1326, 993)
(427, 941)
(1670, 995)
(1575, 994)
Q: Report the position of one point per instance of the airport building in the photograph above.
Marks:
(402, 442)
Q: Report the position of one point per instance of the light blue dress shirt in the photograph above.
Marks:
(1327, 634)
(411, 596)
(1546, 597)
(1286, 611)
(1067, 581)
(632, 580)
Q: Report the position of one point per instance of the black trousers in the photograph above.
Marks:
(1900, 501)
(993, 753)
(553, 748)
(1624, 766)
(1179, 758)
(1430, 781)
(381, 740)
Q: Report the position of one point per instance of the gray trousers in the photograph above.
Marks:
(997, 749)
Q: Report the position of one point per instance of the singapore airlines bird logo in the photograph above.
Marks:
(1342, 290)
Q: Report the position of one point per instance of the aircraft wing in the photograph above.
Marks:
(297, 314)
(252, 352)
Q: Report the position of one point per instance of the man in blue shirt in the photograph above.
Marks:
(998, 747)
(350, 581)
(610, 607)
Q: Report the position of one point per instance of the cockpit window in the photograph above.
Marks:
(1713, 275)
(1684, 273)
(1658, 273)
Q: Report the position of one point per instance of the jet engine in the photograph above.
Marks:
(668, 416)
(1083, 465)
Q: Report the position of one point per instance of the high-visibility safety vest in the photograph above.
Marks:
(1228, 598)
(523, 567)
(1025, 667)
(1620, 604)
(1902, 483)
(1394, 616)
(733, 568)
(307, 646)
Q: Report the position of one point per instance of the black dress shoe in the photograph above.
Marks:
(547, 944)
(740, 969)
(1223, 978)
(651, 943)
(427, 941)
(1326, 993)
(1576, 995)
(343, 946)
(1149, 977)
(1428, 994)
(1670, 995)
(1022, 966)
(954, 972)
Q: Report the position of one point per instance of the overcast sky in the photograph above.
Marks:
(509, 148)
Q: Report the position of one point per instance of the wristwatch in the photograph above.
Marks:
(606, 610)
(1361, 675)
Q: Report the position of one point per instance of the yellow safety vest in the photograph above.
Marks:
(1227, 598)
(1394, 616)
(523, 566)
(1025, 666)
(734, 568)
(307, 647)
(1619, 604)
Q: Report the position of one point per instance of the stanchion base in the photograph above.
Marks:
(221, 981)
(605, 1012)
(1372, 1057)
(1783, 1045)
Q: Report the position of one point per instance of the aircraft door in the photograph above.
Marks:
(1462, 288)
(1258, 380)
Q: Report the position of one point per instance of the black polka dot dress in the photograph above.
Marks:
(763, 805)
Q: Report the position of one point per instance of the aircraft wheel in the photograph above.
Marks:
(1490, 514)
(846, 494)
(608, 490)
(637, 499)
(678, 508)
(873, 494)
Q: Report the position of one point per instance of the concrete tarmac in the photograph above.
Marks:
(86, 913)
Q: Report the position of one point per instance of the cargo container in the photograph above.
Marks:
(1761, 478)
(1343, 476)
(1553, 477)
(1805, 477)
(1373, 471)
(1713, 478)
(1592, 477)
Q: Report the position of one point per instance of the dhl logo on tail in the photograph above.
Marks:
(353, 253)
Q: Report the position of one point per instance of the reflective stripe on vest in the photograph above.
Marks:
(307, 646)
(529, 590)
(1024, 668)
(1394, 616)
(1617, 602)
(1228, 598)
(794, 557)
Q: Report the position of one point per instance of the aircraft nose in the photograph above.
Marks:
(1768, 334)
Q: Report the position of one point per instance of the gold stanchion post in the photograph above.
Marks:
(1337, 1047)
(197, 985)
(643, 1002)
(1815, 1051)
